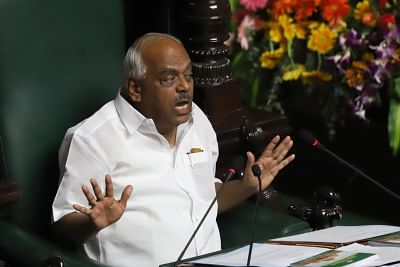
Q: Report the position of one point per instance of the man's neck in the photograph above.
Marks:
(170, 136)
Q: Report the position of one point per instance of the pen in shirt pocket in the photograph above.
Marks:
(192, 151)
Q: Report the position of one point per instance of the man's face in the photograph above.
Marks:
(167, 89)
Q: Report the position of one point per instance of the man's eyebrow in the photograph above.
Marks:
(189, 66)
(168, 71)
(174, 71)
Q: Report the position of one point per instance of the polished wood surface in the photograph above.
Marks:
(8, 193)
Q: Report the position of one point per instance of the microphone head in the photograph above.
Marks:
(309, 138)
(256, 170)
(238, 163)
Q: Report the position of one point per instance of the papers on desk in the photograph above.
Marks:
(287, 250)
(390, 240)
(386, 254)
(338, 235)
(263, 255)
(338, 258)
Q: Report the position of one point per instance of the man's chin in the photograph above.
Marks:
(183, 118)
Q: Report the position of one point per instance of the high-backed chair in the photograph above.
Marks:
(59, 62)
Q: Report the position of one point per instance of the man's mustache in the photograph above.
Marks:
(183, 97)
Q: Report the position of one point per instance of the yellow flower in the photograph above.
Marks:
(302, 29)
(275, 32)
(289, 28)
(361, 9)
(269, 59)
(313, 25)
(322, 39)
(315, 77)
(291, 72)
(364, 13)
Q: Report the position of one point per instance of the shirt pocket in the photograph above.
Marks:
(200, 171)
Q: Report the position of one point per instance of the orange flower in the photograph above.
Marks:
(283, 7)
(333, 11)
(369, 19)
(355, 74)
(305, 9)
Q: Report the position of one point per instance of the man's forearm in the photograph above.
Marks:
(74, 229)
(233, 193)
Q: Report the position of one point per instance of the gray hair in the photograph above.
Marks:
(134, 67)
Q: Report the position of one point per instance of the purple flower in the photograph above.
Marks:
(364, 100)
(351, 39)
(341, 61)
(394, 34)
(378, 71)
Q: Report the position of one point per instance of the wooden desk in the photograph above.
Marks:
(8, 195)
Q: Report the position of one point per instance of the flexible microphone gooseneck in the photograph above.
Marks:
(256, 172)
(309, 138)
(236, 165)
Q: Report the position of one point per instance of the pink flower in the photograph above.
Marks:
(246, 31)
(253, 4)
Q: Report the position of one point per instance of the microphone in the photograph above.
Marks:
(309, 138)
(237, 163)
(256, 172)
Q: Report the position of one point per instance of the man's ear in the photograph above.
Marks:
(133, 90)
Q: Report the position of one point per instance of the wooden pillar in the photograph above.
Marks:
(204, 28)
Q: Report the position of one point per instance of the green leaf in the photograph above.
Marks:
(396, 88)
(234, 4)
(254, 91)
(394, 119)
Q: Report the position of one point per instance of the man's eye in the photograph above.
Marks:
(168, 80)
(189, 77)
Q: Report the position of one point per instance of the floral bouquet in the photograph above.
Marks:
(350, 47)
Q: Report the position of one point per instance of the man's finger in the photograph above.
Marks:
(287, 160)
(89, 196)
(126, 194)
(97, 189)
(82, 209)
(271, 146)
(279, 152)
(109, 186)
(282, 154)
(250, 160)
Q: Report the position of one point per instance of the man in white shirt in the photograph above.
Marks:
(161, 151)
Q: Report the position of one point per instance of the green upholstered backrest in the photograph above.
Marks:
(59, 62)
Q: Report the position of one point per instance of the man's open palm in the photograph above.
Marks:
(104, 209)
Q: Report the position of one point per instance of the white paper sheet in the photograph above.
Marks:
(263, 255)
(342, 234)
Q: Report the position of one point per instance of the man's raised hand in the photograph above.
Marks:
(103, 209)
(271, 161)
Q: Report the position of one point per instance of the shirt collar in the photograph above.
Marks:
(132, 119)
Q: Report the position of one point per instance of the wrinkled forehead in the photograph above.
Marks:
(166, 54)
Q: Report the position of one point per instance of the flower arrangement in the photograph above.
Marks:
(350, 47)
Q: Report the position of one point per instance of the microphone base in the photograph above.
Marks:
(324, 209)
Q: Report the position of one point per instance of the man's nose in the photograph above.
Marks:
(184, 84)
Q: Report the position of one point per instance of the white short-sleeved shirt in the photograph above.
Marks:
(171, 187)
